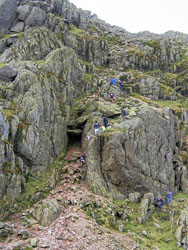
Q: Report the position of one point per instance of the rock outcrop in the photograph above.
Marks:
(7, 14)
(136, 155)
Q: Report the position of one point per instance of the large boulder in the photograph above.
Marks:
(146, 208)
(150, 88)
(184, 180)
(7, 73)
(46, 212)
(134, 156)
(23, 12)
(7, 13)
(180, 234)
(36, 18)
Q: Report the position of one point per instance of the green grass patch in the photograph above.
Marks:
(177, 106)
(152, 43)
(9, 113)
(34, 185)
(2, 65)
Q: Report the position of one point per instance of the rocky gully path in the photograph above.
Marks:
(73, 229)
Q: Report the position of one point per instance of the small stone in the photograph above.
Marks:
(144, 233)
(157, 225)
(24, 234)
(33, 242)
(84, 234)
(2, 225)
(44, 245)
(121, 228)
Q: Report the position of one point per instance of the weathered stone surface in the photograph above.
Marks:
(7, 73)
(7, 13)
(149, 87)
(180, 235)
(35, 44)
(135, 156)
(46, 212)
(23, 12)
(18, 27)
(36, 17)
(146, 208)
(184, 180)
(134, 197)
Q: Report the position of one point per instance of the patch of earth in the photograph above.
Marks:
(73, 229)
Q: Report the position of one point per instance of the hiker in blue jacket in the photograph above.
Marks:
(121, 85)
(96, 127)
(112, 98)
(113, 81)
(169, 197)
(123, 113)
(105, 121)
(159, 203)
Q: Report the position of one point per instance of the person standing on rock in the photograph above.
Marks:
(159, 203)
(82, 161)
(96, 127)
(112, 98)
(121, 85)
(113, 81)
(169, 197)
(105, 122)
(84, 156)
(123, 113)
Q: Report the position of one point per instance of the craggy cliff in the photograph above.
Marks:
(56, 62)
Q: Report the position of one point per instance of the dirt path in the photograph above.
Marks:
(73, 229)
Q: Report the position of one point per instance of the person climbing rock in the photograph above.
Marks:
(96, 127)
(102, 127)
(113, 81)
(84, 156)
(105, 121)
(123, 113)
(112, 98)
(121, 85)
(169, 197)
(159, 203)
(82, 161)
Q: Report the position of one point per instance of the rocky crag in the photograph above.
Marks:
(55, 65)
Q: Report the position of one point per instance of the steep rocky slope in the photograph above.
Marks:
(55, 65)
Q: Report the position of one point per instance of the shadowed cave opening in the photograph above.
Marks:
(74, 138)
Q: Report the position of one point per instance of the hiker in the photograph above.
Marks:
(105, 121)
(112, 98)
(84, 156)
(113, 81)
(169, 197)
(102, 127)
(159, 203)
(123, 113)
(121, 85)
(96, 127)
(82, 161)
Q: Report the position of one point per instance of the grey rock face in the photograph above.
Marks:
(23, 12)
(7, 13)
(46, 212)
(7, 73)
(34, 45)
(18, 27)
(184, 180)
(150, 88)
(36, 17)
(180, 235)
(139, 159)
